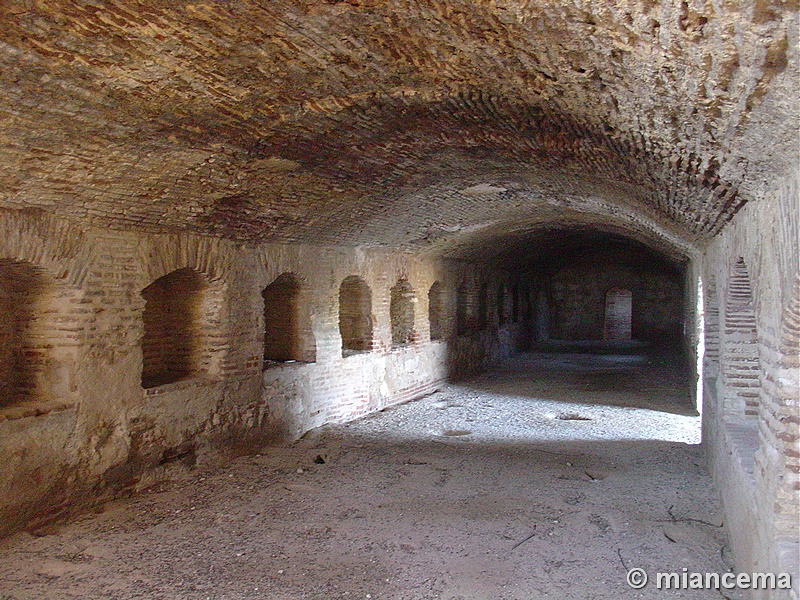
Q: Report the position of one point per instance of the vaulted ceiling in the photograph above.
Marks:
(460, 125)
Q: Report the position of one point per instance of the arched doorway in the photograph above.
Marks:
(617, 321)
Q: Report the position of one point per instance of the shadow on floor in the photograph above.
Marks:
(613, 374)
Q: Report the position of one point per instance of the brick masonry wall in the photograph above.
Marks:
(755, 460)
(337, 388)
(485, 334)
(577, 296)
(740, 359)
(87, 429)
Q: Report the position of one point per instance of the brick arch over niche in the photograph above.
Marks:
(287, 321)
(355, 315)
(212, 257)
(740, 364)
(174, 337)
(57, 246)
(401, 312)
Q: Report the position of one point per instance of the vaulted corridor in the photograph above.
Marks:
(226, 226)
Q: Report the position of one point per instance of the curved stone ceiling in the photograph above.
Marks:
(438, 124)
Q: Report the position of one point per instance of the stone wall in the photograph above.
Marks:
(130, 357)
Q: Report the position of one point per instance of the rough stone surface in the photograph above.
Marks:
(237, 118)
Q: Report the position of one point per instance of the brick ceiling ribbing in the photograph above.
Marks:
(393, 122)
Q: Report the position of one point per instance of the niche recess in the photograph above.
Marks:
(287, 322)
(401, 313)
(355, 316)
(173, 332)
(24, 332)
(436, 311)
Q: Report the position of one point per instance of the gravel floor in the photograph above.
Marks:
(548, 477)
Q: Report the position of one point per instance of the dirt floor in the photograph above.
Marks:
(548, 477)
